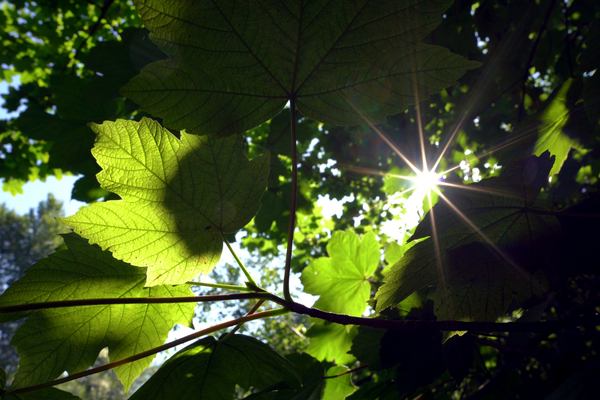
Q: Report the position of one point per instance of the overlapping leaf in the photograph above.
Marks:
(341, 279)
(496, 210)
(234, 65)
(210, 369)
(44, 394)
(54, 340)
(179, 197)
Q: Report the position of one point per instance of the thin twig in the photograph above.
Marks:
(531, 54)
(292, 227)
(347, 372)
(238, 326)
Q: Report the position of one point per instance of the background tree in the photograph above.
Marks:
(537, 91)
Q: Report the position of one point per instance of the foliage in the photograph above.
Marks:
(249, 103)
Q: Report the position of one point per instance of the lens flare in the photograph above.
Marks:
(427, 180)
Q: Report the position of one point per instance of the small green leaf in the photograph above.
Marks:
(341, 279)
(339, 387)
(54, 340)
(553, 118)
(499, 210)
(179, 197)
(210, 369)
(344, 64)
(331, 342)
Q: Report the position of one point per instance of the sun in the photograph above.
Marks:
(427, 180)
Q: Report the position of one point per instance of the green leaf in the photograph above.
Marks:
(341, 279)
(2, 378)
(43, 394)
(340, 387)
(233, 66)
(553, 118)
(179, 197)
(54, 340)
(331, 342)
(210, 369)
(499, 210)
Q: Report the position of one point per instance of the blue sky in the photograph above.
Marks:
(34, 192)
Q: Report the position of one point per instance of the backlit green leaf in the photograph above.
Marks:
(234, 65)
(338, 387)
(179, 197)
(331, 342)
(210, 369)
(341, 279)
(497, 210)
(553, 119)
(54, 340)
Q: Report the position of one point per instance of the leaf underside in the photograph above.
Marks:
(210, 369)
(179, 197)
(234, 65)
(69, 339)
(471, 271)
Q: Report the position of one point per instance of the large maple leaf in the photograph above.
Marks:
(234, 65)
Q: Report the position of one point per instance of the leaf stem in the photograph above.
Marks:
(292, 227)
(195, 335)
(237, 259)
(220, 286)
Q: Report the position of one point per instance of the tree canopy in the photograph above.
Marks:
(462, 139)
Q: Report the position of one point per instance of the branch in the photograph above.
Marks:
(431, 326)
(93, 29)
(138, 300)
(290, 244)
(261, 315)
(402, 326)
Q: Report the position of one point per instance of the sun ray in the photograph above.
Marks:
(385, 139)
(496, 249)
(420, 128)
(439, 265)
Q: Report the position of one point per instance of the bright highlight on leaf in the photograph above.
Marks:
(69, 339)
(179, 197)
